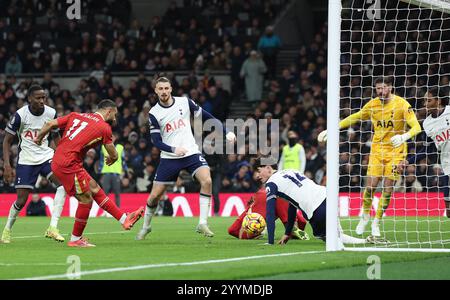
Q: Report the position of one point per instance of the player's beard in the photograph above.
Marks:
(111, 123)
(164, 98)
(383, 98)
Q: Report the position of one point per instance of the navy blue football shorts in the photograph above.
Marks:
(168, 169)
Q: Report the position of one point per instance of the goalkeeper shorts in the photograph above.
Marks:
(384, 166)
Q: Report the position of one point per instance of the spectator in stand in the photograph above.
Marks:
(253, 71)
(116, 57)
(36, 207)
(13, 66)
(269, 45)
(242, 180)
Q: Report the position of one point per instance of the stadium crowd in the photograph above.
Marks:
(221, 37)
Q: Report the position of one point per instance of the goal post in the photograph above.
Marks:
(408, 40)
(334, 25)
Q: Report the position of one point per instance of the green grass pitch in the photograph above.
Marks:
(175, 251)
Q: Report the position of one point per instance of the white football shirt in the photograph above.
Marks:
(174, 124)
(438, 129)
(27, 125)
(299, 190)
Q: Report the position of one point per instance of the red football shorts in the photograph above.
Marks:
(76, 181)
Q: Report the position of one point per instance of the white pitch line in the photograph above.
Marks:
(92, 233)
(151, 266)
(41, 264)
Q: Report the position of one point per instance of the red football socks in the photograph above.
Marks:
(81, 218)
(106, 204)
(301, 222)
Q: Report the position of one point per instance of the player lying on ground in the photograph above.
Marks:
(81, 133)
(170, 130)
(257, 204)
(389, 115)
(436, 127)
(301, 193)
(33, 160)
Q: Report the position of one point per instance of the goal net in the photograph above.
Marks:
(408, 41)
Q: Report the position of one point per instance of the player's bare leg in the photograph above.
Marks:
(383, 204)
(22, 196)
(158, 190)
(447, 208)
(58, 204)
(372, 183)
(203, 175)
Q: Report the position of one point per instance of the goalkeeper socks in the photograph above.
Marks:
(367, 201)
(13, 213)
(149, 212)
(58, 204)
(106, 204)
(383, 204)
(81, 217)
(205, 205)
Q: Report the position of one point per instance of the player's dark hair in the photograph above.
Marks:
(262, 161)
(33, 88)
(106, 103)
(385, 79)
(439, 93)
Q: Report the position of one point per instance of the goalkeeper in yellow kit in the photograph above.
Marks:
(389, 115)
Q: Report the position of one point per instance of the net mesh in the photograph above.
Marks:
(411, 43)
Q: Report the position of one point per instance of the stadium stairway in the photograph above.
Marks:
(286, 56)
(239, 109)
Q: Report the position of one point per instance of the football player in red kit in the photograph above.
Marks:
(83, 131)
(257, 204)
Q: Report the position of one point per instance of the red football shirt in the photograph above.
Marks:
(81, 133)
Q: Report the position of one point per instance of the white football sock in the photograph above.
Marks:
(365, 217)
(13, 213)
(58, 204)
(205, 205)
(149, 212)
(74, 238)
(123, 218)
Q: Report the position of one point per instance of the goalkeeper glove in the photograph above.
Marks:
(399, 139)
(322, 136)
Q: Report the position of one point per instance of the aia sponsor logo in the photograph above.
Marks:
(443, 136)
(385, 124)
(174, 125)
(30, 134)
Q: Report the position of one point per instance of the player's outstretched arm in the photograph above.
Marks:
(48, 126)
(271, 193)
(197, 111)
(292, 216)
(347, 122)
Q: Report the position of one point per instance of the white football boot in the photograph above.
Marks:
(376, 228)
(363, 221)
(143, 233)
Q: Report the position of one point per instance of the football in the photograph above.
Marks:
(253, 223)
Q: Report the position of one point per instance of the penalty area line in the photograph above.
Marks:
(152, 266)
